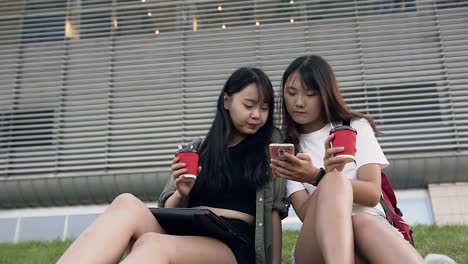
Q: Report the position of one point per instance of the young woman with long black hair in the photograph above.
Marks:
(234, 182)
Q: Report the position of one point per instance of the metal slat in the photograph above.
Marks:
(124, 96)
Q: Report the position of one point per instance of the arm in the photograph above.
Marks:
(367, 187)
(175, 200)
(300, 167)
(279, 210)
(277, 237)
(299, 203)
(370, 159)
(176, 191)
(297, 168)
(168, 191)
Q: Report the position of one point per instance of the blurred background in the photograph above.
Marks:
(95, 95)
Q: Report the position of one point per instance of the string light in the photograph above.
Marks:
(156, 32)
(220, 8)
(143, 1)
(291, 20)
(291, 2)
(257, 23)
(195, 24)
(150, 14)
(223, 26)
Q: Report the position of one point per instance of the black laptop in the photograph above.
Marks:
(195, 222)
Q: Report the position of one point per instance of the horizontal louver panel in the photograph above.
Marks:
(145, 116)
(115, 85)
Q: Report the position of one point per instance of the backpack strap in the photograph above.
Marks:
(387, 188)
(388, 211)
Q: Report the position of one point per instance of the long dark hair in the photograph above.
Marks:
(214, 157)
(317, 75)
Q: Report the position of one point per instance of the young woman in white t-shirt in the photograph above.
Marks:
(342, 214)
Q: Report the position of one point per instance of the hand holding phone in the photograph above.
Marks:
(278, 150)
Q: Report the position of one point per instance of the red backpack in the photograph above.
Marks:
(389, 204)
(392, 212)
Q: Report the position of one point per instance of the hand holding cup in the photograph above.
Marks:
(344, 136)
(332, 161)
(190, 158)
(185, 168)
(182, 184)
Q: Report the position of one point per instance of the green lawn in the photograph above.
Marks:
(449, 240)
(32, 252)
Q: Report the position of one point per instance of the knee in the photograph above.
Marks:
(127, 202)
(148, 239)
(336, 182)
(154, 243)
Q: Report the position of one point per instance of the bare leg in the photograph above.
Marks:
(374, 237)
(159, 248)
(326, 234)
(107, 238)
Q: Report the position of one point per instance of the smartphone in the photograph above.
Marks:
(277, 150)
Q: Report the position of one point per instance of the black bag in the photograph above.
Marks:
(196, 222)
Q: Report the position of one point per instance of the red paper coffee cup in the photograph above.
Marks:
(345, 136)
(190, 158)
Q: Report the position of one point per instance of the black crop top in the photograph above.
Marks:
(239, 197)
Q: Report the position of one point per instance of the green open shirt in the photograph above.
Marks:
(271, 196)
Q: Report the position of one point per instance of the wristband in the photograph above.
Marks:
(319, 177)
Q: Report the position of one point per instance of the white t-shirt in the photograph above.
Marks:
(368, 151)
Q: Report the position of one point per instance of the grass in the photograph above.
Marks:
(449, 240)
(32, 252)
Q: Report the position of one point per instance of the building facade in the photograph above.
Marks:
(96, 95)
